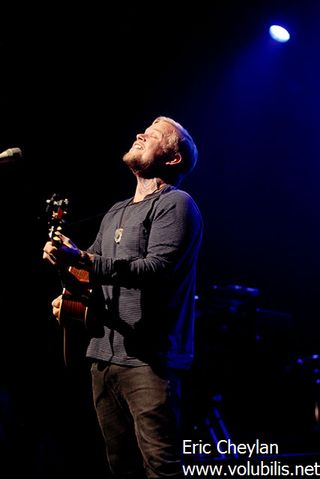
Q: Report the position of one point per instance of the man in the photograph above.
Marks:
(144, 258)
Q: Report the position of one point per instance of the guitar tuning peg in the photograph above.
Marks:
(56, 239)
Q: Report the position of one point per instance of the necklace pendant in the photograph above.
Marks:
(118, 235)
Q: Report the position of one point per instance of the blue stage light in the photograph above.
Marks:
(278, 33)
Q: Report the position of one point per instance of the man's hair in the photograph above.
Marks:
(181, 141)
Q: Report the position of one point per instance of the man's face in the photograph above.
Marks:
(150, 150)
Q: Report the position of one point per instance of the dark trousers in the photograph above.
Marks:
(138, 413)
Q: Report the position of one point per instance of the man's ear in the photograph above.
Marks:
(175, 160)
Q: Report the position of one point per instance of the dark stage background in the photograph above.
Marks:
(75, 88)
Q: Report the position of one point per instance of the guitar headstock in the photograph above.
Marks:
(57, 209)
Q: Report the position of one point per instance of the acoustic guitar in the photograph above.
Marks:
(82, 308)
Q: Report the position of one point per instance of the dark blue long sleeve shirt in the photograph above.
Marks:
(148, 279)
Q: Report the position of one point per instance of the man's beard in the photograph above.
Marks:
(144, 168)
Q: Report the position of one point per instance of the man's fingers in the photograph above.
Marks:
(56, 303)
(50, 257)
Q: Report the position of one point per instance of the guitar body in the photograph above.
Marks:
(82, 309)
(75, 297)
(81, 315)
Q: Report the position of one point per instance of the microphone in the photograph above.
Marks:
(9, 155)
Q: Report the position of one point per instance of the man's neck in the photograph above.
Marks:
(147, 186)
